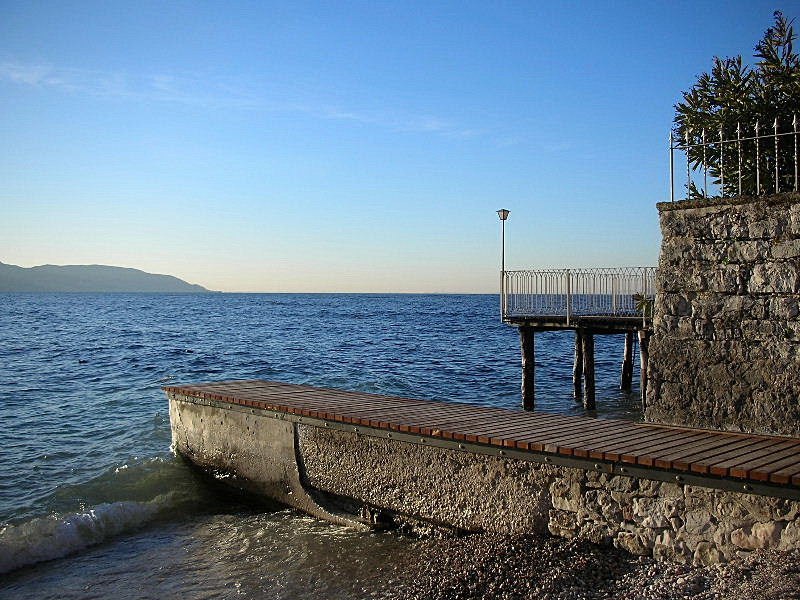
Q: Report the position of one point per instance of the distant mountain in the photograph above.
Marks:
(88, 278)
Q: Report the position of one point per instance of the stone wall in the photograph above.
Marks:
(477, 492)
(725, 350)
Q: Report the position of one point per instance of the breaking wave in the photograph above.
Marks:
(121, 500)
(47, 538)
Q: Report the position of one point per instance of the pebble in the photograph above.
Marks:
(488, 567)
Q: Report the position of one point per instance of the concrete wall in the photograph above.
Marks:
(327, 472)
(475, 492)
(725, 351)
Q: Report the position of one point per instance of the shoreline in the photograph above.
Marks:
(498, 567)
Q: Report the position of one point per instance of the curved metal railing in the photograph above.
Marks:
(576, 292)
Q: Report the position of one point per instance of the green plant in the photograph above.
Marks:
(734, 94)
(644, 304)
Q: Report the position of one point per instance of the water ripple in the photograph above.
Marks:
(82, 376)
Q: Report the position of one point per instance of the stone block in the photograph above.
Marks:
(760, 535)
(722, 278)
(596, 533)
(787, 249)
(768, 227)
(655, 513)
(706, 554)
(790, 536)
(747, 251)
(627, 512)
(648, 487)
(784, 308)
(672, 491)
(562, 521)
(566, 495)
(675, 304)
(667, 546)
(774, 277)
(698, 522)
(794, 220)
(633, 543)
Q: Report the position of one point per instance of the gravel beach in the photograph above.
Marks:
(487, 566)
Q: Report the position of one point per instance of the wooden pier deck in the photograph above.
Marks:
(761, 464)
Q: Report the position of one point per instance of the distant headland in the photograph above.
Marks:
(89, 278)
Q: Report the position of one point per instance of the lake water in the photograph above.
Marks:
(94, 505)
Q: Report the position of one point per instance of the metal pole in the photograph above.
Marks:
(644, 296)
(721, 164)
(688, 168)
(705, 167)
(758, 169)
(502, 269)
(671, 170)
(613, 294)
(794, 124)
(777, 160)
(739, 148)
(569, 297)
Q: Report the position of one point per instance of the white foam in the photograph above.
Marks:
(46, 538)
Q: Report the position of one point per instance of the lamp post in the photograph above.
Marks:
(503, 214)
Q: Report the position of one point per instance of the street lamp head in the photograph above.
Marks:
(503, 213)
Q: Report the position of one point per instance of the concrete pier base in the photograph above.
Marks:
(253, 453)
(362, 477)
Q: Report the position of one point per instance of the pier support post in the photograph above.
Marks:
(587, 339)
(626, 378)
(577, 367)
(527, 345)
(644, 353)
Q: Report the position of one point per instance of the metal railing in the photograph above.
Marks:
(577, 292)
(762, 158)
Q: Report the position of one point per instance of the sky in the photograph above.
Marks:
(346, 146)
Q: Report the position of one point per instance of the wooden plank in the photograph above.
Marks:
(682, 457)
(534, 439)
(743, 448)
(525, 431)
(784, 457)
(647, 456)
(633, 448)
(529, 430)
(556, 423)
(598, 447)
(739, 467)
(420, 422)
(583, 449)
(567, 444)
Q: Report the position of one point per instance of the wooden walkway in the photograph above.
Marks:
(753, 458)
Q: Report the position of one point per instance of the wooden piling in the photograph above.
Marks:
(587, 339)
(626, 378)
(644, 353)
(528, 347)
(577, 367)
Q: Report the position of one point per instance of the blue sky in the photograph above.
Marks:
(345, 146)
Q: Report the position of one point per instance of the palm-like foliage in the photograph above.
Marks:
(734, 94)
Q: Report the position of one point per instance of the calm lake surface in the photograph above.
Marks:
(94, 505)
